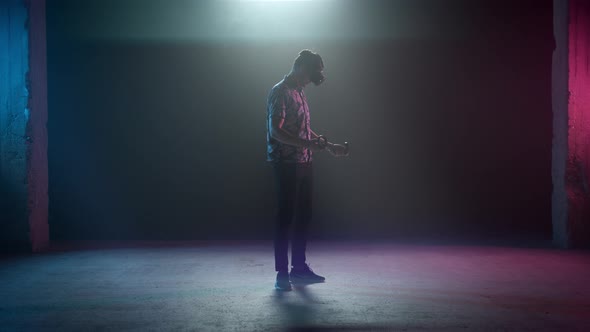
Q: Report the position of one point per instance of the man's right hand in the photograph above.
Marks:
(313, 145)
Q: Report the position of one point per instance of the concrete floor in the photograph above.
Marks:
(225, 286)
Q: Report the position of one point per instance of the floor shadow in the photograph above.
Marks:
(299, 310)
(297, 307)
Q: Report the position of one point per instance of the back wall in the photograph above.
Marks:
(157, 116)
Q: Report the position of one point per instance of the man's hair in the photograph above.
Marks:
(309, 59)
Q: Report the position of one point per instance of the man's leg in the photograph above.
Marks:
(302, 215)
(286, 193)
(301, 273)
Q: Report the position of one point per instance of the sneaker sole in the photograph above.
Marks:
(306, 281)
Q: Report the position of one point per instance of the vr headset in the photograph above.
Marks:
(317, 77)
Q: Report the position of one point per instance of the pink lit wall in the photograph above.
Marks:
(578, 162)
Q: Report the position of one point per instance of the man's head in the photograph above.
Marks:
(308, 67)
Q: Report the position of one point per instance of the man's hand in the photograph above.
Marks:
(314, 145)
(338, 150)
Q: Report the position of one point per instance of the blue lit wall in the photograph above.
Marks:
(14, 66)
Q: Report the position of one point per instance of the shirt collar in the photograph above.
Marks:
(290, 82)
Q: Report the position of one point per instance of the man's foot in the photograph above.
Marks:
(305, 275)
(283, 283)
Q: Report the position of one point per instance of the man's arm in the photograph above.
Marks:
(314, 135)
(277, 132)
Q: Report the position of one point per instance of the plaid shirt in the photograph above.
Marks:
(287, 101)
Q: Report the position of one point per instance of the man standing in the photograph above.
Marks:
(290, 144)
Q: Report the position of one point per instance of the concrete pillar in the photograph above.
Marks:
(571, 124)
(23, 132)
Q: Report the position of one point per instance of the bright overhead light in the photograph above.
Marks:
(273, 0)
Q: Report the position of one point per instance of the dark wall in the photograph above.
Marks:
(158, 131)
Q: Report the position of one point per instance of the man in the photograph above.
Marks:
(290, 145)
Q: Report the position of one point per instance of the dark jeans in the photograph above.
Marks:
(294, 185)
